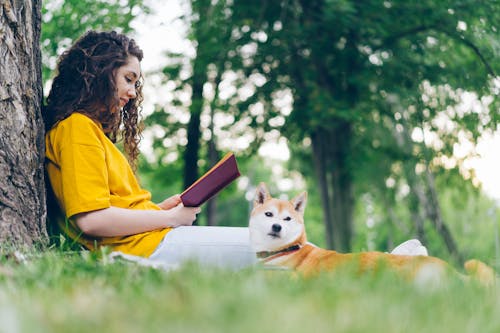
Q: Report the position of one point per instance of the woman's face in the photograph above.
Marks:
(126, 78)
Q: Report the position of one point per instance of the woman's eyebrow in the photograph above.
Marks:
(133, 73)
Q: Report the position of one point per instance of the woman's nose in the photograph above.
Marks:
(132, 93)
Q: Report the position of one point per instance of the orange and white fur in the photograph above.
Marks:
(278, 236)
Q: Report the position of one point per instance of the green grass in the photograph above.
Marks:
(75, 292)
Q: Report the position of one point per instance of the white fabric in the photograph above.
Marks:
(411, 247)
(117, 256)
(222, 247)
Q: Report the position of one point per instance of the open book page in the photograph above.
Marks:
(214, 180)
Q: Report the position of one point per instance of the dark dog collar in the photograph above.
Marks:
(267, 254)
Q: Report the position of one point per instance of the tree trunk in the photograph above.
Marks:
(415, 200)
(433, 209)
(319, 145)
(191, 154)
(22, 190)
(213, 154)
(193, 138)
(342, 187)
(213, 157)
(331, 153)
(424, 202)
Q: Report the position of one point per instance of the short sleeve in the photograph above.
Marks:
(82, 162)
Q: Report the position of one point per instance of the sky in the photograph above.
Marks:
(165, 31)
(487, 164)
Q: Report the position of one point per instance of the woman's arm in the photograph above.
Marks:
(114, 221)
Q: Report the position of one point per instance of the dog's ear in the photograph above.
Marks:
(261, 194)
(299, 202)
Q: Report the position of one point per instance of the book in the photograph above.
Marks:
(214, 180)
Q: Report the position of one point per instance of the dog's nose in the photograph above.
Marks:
(276, 227)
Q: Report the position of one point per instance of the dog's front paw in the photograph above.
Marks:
(411, 247)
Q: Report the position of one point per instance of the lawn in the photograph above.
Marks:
(80, 292)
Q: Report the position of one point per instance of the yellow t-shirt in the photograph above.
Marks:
(87, 172)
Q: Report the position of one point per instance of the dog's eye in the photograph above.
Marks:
(288, 218)
(268, 214)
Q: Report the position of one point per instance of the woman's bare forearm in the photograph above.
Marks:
(114, 221)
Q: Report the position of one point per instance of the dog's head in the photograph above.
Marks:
(276, 224)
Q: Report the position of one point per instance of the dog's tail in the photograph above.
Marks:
(480, 272)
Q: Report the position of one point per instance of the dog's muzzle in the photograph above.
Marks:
(275, 230)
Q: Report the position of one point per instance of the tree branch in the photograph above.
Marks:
(402, 34)
(455, 36)
(472, 46)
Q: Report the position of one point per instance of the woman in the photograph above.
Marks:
(94, 100)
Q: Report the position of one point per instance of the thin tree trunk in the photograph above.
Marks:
(211, 210)
(199, 77)
(319, 158)
(342, 187)
(193, 134)
(434, 214)
(405, 144)
(415, 201)
(213, 154)
(22, 190)
(424, 197)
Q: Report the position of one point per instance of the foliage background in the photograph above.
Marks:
(255, 73)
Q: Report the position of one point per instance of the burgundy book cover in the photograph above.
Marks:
(218, 177)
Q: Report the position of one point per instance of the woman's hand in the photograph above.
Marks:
(171, 202)
(181, 215)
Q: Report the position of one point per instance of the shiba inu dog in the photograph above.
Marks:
(277, 234)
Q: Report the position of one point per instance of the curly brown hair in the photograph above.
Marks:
(85, 83)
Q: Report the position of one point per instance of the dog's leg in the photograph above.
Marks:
(480, 272)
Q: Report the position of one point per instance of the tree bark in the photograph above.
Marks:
(193, 137)
(191, 154)
(213, 153)
(319, 159)
(331, 149)
(22, 189)
(211, 211)
(415, 200)
(433, 209)
(199, 77)
(342, 185)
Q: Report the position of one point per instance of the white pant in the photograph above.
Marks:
(222, 247)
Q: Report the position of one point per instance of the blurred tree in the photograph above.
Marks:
(201, 77)
(65, 21)
(364, 76)
(374, 88)
(207, 25)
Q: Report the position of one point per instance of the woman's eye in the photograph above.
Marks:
(268, 214)
(288, 218)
